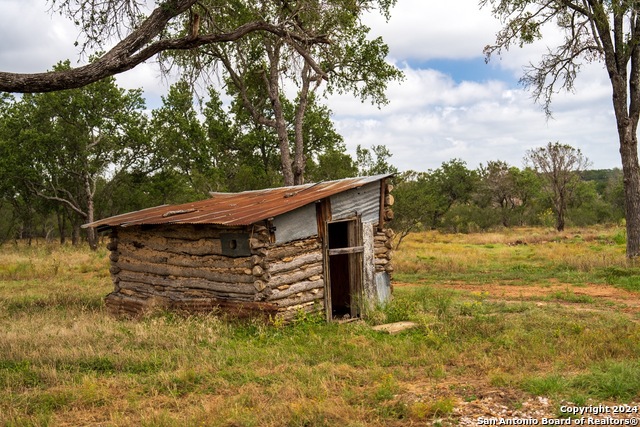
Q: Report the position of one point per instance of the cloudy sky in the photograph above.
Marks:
(450, 105)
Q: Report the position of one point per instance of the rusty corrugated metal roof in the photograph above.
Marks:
(242, 208)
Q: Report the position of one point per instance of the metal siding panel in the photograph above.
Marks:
(298, 224)
(368, 265)
(383, 287)
(364, 201)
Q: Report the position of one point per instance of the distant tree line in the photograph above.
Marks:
(455, 198)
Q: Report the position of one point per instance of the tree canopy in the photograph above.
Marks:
(560, 166)
(140, 34)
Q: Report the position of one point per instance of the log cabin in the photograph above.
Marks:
(313, 248)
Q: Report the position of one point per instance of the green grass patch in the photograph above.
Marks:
(569, 296)
(547, 385)
(611, 379)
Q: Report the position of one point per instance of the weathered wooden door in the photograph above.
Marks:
(344, 253)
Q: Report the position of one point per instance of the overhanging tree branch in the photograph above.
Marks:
(137, 48)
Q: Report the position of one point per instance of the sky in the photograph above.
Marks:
(451, 104)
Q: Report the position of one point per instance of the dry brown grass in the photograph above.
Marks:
(546, 251)
(64, 361)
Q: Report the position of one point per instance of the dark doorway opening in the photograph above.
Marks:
(345, 265)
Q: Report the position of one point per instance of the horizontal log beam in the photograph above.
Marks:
(301, 298)
(298, 276)
(294, 263)
(343, 251)
(172, 245)
(174, 294)
(181, 231)
(187, 272)
(150, 255)
(277, 294)
(277, 253)
(186, 282)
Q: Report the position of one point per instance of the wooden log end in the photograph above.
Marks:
(112, 245)
(388, 215)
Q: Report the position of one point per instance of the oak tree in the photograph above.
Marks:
(139, 34)
(606, 31)
(262, 69)
(559, 165)
(64, 144)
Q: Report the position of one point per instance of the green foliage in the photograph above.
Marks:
(60, 144)
(424, 198)
(331, 165)
(132, 163)
(455, 199)
(180, 141)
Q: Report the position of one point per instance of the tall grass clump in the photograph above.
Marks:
(611, 379)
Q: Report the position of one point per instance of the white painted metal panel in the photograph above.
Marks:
(297, 224)
(383, 285)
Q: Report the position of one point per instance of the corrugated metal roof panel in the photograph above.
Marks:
(242, 208)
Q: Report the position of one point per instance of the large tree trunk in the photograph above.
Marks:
(629, 152)
(631, 178)
(299, 160)
(273, 85)
(627, 115)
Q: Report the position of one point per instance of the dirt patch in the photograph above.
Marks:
(477, 403)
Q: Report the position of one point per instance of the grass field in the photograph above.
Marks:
(518, 314)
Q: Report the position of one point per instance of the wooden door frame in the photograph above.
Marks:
(355, 252)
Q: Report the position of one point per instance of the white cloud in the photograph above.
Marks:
(32, 40)
(425, 30)
(432, 119)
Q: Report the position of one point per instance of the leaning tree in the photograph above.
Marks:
(264, 71)
(607, 31)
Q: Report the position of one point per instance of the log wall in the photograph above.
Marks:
(382, 249)
(296, 279)
(383, 241)
(182, 268)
